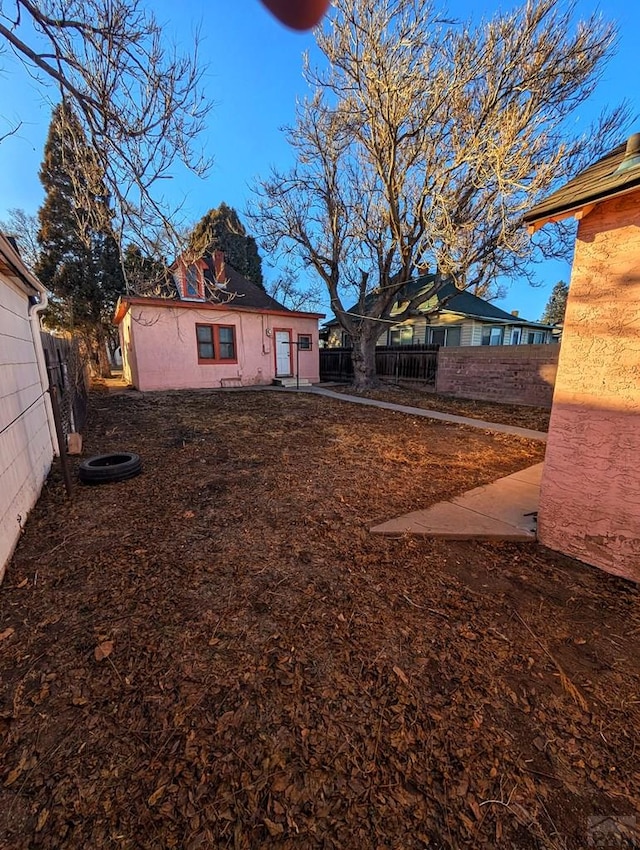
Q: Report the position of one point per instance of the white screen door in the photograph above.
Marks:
(283, 354)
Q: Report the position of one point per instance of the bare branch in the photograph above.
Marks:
(139, 102)
(423, 143)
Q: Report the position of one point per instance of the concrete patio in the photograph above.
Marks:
(503, 510)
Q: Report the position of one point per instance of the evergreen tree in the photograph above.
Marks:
(79, 257)
(145, 275)
(221, 230)
(556, 305)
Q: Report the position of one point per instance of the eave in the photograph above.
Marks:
(126, 302)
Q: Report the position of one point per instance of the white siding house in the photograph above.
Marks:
(455, 318)
(27, 431)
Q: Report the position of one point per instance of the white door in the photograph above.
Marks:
(283, 354)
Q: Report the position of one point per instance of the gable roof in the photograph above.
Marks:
(245, 296)
(601, 180)
(471, 305)
(247, 293)
(452, 300)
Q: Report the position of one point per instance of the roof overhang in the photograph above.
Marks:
(615, 174)
(579, 211)
(126, 302)
(12, 265)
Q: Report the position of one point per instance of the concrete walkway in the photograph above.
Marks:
(431, 414)
(503, 510)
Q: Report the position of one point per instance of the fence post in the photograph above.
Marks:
(62, 445)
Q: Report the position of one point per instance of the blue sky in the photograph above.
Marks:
(254, 78)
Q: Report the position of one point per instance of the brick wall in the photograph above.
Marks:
(513, 374)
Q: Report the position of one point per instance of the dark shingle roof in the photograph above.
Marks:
(595, 183)
(472, 305)
(452, 300)
(247, 294)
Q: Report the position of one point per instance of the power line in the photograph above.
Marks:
(26, 410)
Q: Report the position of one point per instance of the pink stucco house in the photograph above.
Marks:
(214, 328)
(590, 494)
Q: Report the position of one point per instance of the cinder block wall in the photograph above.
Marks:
(513, 374)
(590, 494)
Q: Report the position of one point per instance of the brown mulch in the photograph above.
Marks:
(218, 654)
(520, 415)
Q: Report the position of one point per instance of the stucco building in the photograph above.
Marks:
(214, 328)
(590, 495)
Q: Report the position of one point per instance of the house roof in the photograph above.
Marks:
(601, 180)
(237, 293)
(126, 301)
(469, 304)
(247, 293)
(453, 300)
(12, 265)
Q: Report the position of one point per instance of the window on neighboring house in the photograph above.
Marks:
(216, 343)
(516, 336)
(492, 335)
(535, 337)
(443, 336)
(304, 342)
(401, 336)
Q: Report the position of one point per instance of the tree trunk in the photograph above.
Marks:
(364, 359)
(104, 366)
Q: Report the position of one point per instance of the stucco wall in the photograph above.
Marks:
(518, 374)
(160, 348)
(26, 450)
(590, 496)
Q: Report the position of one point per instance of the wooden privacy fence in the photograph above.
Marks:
(398, 363)
(66, 373)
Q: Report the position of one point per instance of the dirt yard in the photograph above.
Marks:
(218, 654)
(535, 418)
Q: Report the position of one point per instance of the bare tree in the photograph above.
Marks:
(138, 101)
(423, 142)
(289, 291)
(24, 228)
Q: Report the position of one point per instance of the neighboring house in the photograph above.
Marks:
(27, 430)
(214, 328)
(590, 493)
(463, 319)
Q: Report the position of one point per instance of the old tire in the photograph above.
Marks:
(117, 466)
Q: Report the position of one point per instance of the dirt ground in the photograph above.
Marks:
(523, 416)
(218, 654)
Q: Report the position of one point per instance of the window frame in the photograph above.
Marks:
(446, 331)
(182, 273)
(402, 330)
(307, 337)
(216, 360)
(489, 336)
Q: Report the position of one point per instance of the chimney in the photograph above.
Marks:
(218, 267)
(515, 313)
